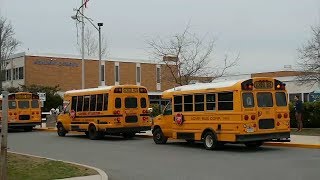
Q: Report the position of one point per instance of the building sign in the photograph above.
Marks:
(55, 63)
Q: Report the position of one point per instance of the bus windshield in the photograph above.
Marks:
(264, 99)
(23, 104)
(131, 102)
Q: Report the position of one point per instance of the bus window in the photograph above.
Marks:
(199, 102)
(264, 99)
(247, 99)
(225, 101)
(131, 102)
(105, 101)
(86, 103)
(74, 103)
(188, 103)
(93, 101)
(177, 103)
(168, 109)
(211, 102)
(117, 103)
(35, 103)
(80, 103)
(281, 99)
(99, 102)
(143, 102)
(23, 104)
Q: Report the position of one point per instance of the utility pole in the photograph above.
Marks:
(4, 135)
(82, 48)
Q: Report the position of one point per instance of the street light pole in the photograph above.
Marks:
(100, 73)
(82, 48)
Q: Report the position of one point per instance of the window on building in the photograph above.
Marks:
(177, 100)
(225, 101)
(199, 102)
(8, 74)
(305, 97)
(117, 73)
(188, 103)
(105, 101)
(138, 74)
(17, 73)
(79, 103)
(291, 96)
(158, 75)
(211, 102)
(86, 103)
(20, 72)
(102, 73)
(14, 74)
(93, 102)
(99, 102)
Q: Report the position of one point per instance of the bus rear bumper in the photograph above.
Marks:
(273, 137)
(16, 125)
(128, 129)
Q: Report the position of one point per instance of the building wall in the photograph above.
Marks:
(276, 74)
(13, 64)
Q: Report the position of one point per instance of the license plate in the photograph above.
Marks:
(250, 130)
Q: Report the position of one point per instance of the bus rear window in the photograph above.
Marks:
(23, 104)
(35, 104)
(247, 99)
(131, 102)
(281, 99)
(264, 99)
(143, 102)
(12, 104)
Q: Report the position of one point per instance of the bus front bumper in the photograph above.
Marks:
(274, 137)
(128, 129)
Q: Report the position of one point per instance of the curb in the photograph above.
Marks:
(103, 175)
(310, 146)
(43, 129)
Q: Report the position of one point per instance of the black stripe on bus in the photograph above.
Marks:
(98, 116)
(144, 114)
(79, 122)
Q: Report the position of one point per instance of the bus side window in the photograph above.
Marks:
(199, 102)
(225, 101)
(80, 103)
(74, 103)
(211, 102)
(117, 103)
(188, 103)
(105, 101)
(86, 103)
(93, 102)
(177, 101)
(99, 102)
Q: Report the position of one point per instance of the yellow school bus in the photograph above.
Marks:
(114, 110)
(24, 111)
(250, 111)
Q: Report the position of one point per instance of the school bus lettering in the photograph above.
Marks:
(248, 111)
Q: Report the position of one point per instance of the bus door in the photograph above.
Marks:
(131, 112)
(266, 110)
(166, 120)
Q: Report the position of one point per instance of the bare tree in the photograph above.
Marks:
(8, 44)
(91, 44)
(188, 57)
(309, 58)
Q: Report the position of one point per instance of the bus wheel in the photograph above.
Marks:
(93, 133)
(158, 137)
(128, 135)
(28, 129)
(254, 145)
(60, 130)
(210, 141)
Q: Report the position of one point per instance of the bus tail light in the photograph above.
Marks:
(144, 112)
(116, 112)
(278, 123)
(285, 115)
(254, 125)
(246, 117)
(15, 113)
(118, 120)
(279, 116)
(145, 118)
(32, 113)
(10, 113)
(253, 117)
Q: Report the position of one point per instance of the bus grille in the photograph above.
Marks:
(131, 119)
(266, 123)
(24, 117)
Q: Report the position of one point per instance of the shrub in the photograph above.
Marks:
(310, 115)
(156, 110)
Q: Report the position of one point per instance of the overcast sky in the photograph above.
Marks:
(266, 33)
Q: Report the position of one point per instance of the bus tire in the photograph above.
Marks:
(93, 134)
(210, 141)
(128, 135)
(254, 144)
(158, 137)
(60, 130)
(28, 129)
